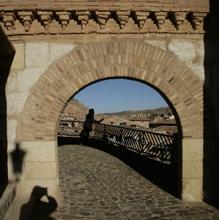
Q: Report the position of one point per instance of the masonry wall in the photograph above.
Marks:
(33, 56)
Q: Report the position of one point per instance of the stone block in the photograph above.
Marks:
(192, 169)
(183, 49)
(15, 103)
(158, 43)
(192, 149)
(37, 54)
(11, 174)
(18, 61)
(39, 151)
(11, 82)
(40, 170)
(28, 78)
(200, 49)
(192, 190)
(198, 69)
(26, 186)
(59, 49)
(11, 129)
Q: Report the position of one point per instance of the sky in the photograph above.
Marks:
(115, 95)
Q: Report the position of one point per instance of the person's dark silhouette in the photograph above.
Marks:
(17, 156)
(87, 126)
(35, 208)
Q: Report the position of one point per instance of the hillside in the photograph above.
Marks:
(162, 110)
(76, 109)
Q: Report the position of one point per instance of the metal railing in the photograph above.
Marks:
(146, 143)
(70, 128)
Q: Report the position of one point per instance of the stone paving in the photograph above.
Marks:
(98, 186)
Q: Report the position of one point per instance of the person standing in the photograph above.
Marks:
(87, 126)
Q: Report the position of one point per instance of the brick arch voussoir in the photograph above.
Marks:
(91, 62)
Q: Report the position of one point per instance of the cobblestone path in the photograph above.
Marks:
(98, 186)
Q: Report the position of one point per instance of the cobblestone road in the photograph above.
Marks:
(98, 186)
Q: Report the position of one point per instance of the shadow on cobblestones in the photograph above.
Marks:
(162, 175)
(96, 185)
(36, 208)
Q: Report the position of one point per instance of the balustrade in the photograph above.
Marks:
(146, 143)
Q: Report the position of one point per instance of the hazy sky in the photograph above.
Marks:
(114, 95)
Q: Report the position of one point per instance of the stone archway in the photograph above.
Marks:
(37, 127)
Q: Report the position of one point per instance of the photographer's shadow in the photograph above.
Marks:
(40, 205)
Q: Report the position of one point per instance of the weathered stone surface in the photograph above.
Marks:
(11, 129)
(192, 189)
(193, 170)
(174, 26)
(11, 82)
(162, 44)
(15, 103)
(189, 52)
(185, 50)
(37, 55)
(192, 149)
(59, 49)
(39, 151)
(40, 170)
(96, 185)
(19, 58)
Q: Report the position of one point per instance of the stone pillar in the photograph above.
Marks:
(192, 169)
(39, 166)
(40, 160)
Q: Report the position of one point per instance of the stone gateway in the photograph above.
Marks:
(50, 50)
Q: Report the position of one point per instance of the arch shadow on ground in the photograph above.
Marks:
(163, 175)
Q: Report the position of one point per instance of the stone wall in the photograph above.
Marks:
(32, 119)
(40, 161)
(30, 62)
(60, 51)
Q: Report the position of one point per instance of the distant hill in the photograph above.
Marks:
(76, 109)
(129, 113)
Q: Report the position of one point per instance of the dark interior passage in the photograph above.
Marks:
(6, 57)
(211, 107)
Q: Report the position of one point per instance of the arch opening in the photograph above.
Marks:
(131, 59)
(165, 174)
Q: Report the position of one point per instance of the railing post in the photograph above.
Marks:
(176, 163)
(174, 151)
(120, 138)
(104, 133)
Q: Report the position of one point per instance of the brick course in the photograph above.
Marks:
(91, 62)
